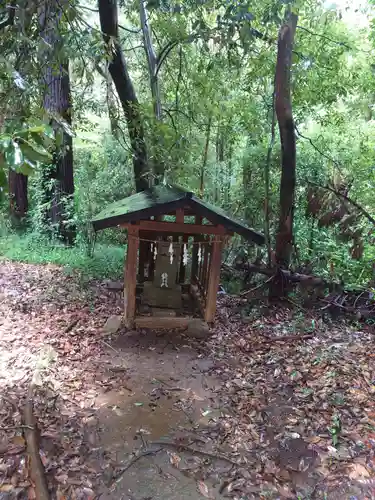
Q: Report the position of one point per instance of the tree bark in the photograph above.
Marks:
(58, 182)
(267, 183)
(119, 72)
(18, 201)
(111, 105)
(152, 63)
(205, 156)
(151, 60)
(283, 105)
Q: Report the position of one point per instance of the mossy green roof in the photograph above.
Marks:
(162, 199)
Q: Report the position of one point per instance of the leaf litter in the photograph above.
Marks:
(295, 418)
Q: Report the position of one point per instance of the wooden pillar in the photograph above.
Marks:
(214, 280)
(130, 277)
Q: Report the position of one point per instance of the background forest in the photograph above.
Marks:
(99, 99)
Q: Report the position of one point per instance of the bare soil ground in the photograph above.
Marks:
(159, 416)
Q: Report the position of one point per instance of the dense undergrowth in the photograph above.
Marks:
(106, 261)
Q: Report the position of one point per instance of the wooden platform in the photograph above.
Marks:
(166, 322)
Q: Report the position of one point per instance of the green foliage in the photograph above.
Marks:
(107, 261)
(216, 73)
(102, 174)
(23, 147)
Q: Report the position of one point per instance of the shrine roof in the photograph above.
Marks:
(163, 199)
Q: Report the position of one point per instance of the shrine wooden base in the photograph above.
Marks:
(166, 322)
(166, 318)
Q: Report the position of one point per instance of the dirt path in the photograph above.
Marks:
(244, 417)
(166, 396)
(102, 400)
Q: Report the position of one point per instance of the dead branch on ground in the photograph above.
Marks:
(32, 440)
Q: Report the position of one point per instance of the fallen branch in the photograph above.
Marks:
(31, 436)
(191, 449)
(16, 427)
(247, 292)
(286, 338)
(71, 325)
(134, 460)
(289, 275)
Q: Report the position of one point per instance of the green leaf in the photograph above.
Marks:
(13, 155)
(3, 175)
(25, 132)
(5, 143)
(49, 132)
(27, 168)
(33, 154)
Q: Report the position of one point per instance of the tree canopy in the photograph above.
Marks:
(188, 92)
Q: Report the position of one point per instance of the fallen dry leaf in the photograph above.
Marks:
(174, 459)
(203, 489)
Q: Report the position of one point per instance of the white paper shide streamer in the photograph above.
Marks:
(171, 253)
(155, 251)
(199, 253)
(185, 255)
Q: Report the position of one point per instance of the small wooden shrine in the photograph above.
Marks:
(175, 242)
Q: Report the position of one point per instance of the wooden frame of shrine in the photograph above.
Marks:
(175, 242)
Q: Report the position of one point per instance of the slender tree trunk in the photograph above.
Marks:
(267, 183)
(283, 105)
(18, 201)
(58, 179)
(219, 162)
(152, 62)
(119, 72)
(229, 176)
(205, 156)
(111, 105)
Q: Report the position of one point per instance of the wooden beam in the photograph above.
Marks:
(166, 322)
(130, 276)
(174, 227)
(213, 281)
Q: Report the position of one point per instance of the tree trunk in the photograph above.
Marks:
(58, 182)
(283, 105)
(205, 156)
(267, 183)
(18, 202)
(119, 72)
(219, 163)
(152, 61)
(229, 176)
(111, 105)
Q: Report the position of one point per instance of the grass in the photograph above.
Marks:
(107, 261)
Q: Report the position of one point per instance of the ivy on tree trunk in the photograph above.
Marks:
(58, 182)
(18, 201)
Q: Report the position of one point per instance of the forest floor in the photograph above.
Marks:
(240, 415)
